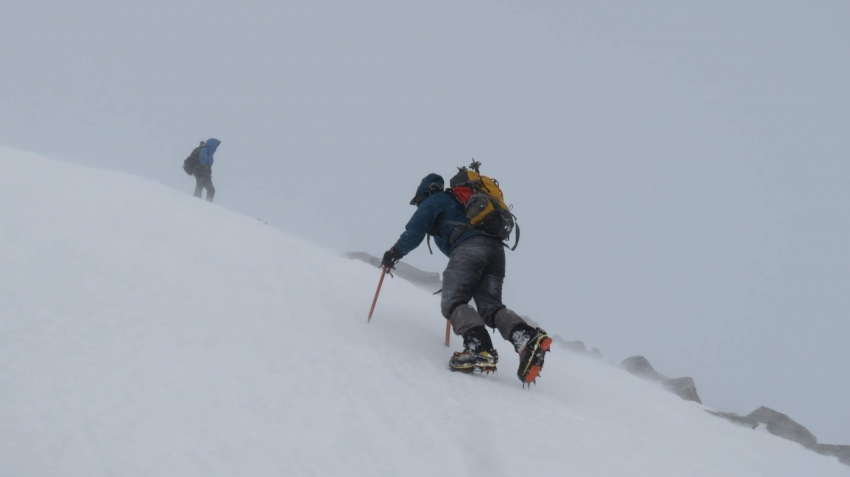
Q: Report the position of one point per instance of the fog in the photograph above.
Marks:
(679, 169)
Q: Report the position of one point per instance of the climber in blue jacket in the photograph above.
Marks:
(475, 272)
(203, 173)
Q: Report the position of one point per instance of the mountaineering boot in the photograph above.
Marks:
(532, 344)
(478, 353)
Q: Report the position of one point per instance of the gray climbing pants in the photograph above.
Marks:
(476, 271)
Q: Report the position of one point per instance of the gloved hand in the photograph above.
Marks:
(391, 257)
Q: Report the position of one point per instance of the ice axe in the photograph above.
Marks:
(375, 300)
(448, 322)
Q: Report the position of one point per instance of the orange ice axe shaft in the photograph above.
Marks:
(375, 300)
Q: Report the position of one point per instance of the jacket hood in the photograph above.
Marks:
(430, 184)
(212, 144)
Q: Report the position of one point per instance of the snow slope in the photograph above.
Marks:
(146, 333)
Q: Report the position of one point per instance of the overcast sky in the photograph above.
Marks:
(679, 169)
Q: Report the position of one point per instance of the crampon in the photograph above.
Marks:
(468, 362)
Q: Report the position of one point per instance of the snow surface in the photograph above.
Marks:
(144, 332)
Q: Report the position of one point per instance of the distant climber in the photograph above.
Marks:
(476, 271)
(199, 164)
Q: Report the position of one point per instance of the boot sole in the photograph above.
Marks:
(534, 371)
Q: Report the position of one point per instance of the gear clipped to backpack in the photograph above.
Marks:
(484, 203)
(193, 161)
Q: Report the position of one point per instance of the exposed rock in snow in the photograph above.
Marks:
(736, 419)
(842, 452)
(684, 387)
(639, 366)
(783, 426)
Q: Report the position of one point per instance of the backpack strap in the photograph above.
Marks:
(516, 241)
(436, 232)
(460, 229)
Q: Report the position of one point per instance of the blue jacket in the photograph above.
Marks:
(205, 155)
(432, 217)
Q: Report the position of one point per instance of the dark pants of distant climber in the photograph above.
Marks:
(476, 271)
(203, 180)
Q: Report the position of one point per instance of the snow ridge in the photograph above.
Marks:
(144, 332)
